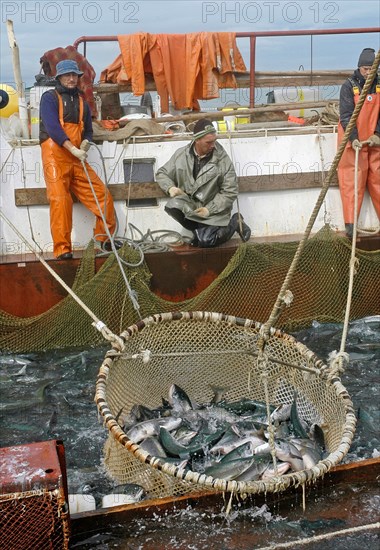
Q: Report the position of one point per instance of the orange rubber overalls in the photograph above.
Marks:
(369, 159)
(64, 174)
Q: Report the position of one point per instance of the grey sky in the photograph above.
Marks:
(44, 25)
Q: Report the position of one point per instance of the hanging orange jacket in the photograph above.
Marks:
(369, 159)
(185, 67)
(64, 174)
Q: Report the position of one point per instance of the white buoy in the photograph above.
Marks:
(81, 503)
(117, 499)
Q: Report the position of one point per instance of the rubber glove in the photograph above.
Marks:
(85, 145)
(175, 192)
(374, 140)
(78, 153)
(356, 144)
(203, 212)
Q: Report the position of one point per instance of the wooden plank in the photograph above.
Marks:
(262, 79)
(36, 196)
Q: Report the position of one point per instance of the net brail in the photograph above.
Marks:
(197, 351)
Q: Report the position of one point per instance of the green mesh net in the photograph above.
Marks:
(248, 287)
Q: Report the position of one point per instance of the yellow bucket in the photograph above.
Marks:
(226, 125)
(242, 119)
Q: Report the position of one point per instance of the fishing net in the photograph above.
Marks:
(247, 287)
(196, 351)
(34, 519)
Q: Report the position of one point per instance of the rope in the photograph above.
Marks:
(277, 308)
(237, 198)
(6, 160)
(98, 324)
(28, 208)
(339, 361)
(204, 353)
(325, 536)
(321, 155)
(329, 116)
(131, 292)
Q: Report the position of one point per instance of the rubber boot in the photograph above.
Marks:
(214, 235)
(349, 230)
(245, 233)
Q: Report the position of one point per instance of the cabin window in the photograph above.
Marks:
(139, 171)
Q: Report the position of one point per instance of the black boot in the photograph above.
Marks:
(207, 236)
(349, 230)
(245, 232)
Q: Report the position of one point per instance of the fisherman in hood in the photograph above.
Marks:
(201, 182)
(364, 136)
(65, 136)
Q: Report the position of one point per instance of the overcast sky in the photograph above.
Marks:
(44, 25)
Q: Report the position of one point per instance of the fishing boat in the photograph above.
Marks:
(280, 161)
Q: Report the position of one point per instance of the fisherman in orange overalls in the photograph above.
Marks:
(65, 136)
(365, 136)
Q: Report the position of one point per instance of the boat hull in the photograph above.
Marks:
(335, 506)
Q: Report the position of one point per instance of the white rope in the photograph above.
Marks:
(130, 183)
(131, 292)
(98, 324)
(339, 361)
(326, 216)
(237, 198)
(325, 536)
(6, 160)
(28, 208)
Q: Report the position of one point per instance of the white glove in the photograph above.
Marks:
(374, 140)
(85, 145)
(79, 153)
(175, 192)
(356, 144)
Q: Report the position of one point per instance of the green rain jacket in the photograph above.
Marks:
(215, 187)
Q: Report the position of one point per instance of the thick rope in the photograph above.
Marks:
(276, 311)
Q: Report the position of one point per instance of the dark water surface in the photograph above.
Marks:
(50, 396)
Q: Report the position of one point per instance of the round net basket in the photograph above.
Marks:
(198, 351)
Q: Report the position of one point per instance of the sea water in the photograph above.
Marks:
(51, 396)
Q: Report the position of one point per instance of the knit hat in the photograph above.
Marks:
(366, 58)
(203, 127)
(67, 66)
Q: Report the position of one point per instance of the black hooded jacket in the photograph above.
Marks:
(347, 104)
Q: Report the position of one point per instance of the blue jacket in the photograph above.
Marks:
(49, 114)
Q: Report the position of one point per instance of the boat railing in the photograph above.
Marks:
(252, 78)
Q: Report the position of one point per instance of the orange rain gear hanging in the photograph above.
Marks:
(185, 67)
(369, 159)
(64, 174)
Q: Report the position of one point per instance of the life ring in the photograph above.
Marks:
(8, 101)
